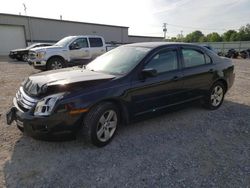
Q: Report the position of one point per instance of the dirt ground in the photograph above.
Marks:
(192, 147)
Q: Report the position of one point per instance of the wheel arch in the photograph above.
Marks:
(56, 56)
(124, 114)
(224, 82)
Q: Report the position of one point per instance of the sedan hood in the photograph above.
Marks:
(17, 50)
(63, 80)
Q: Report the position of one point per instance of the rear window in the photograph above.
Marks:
(95, 42)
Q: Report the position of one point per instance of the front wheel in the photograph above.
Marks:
(101, 123)
(215, 97)
(55, 63)
(25, 57)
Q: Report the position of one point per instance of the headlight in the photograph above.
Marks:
(40, 55)
(45, 106)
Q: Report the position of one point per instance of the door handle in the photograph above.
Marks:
(211, 70)
(175, 78)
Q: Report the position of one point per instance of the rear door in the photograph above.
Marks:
(97, 46)
(154, 93)
(198, 71)
(79, 49)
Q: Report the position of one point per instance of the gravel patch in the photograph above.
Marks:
(192, 147)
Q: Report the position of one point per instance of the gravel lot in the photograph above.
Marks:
(192, 147)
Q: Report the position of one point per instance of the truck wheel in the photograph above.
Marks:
(101, 123)
(55, 63)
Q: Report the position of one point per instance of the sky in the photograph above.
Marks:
(143, 17)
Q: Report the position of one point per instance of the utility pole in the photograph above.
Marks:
(25, 10)
(181, 35)
(165, 30)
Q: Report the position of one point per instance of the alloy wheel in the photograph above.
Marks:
(217, 96)
(107, 125)
(56, 65)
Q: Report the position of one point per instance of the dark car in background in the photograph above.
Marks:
(232, 53)
(22, 54)
(118, 86)
(244, 53)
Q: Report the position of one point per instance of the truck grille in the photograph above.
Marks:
(24, 101)
(32, 55)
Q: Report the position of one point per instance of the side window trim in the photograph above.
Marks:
(166, 49)
(81, 38)
(96, 46)
(195, 49)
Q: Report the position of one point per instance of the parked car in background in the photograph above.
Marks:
(124, 83)
(69, 51)
(232, 53)
(22, 54)
(245, 53)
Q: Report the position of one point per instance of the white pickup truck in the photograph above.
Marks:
(69, 51)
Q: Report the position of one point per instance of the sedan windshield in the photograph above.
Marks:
(63, 42)
(120, 60)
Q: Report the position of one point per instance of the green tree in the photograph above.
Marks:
(227, 35)
(194, 36)
(244, 33)
(235, 37)
(214, 37)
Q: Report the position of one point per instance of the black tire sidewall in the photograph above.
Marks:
(91, 122)
(50, 62)
(209, 101)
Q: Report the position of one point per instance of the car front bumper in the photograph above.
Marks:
(13, 56)
(38, 64)
(44, 127)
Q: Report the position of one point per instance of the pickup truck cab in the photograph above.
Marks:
(69, 51)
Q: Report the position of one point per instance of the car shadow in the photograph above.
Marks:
(75, 163)
(13, 61)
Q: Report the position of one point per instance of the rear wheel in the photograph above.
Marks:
(101, 123)
(55, 63)
(215, 97)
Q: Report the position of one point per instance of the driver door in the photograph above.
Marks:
(79, 49)
(162, 90)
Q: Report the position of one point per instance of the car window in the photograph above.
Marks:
(95, 42)
(193, 58)
(81, 42)
(164, 61)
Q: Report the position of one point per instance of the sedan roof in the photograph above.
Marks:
(158, 44)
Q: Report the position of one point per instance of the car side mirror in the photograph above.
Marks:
(149, 72)
(74, 46)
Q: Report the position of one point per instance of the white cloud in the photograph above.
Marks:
(144, 17)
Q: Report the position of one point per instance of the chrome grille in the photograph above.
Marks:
(24, 101)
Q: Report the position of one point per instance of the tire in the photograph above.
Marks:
(101, 124)
(215, 96)
(20, 128)
(55, 63)
(25, 57)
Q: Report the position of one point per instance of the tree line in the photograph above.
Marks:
(243, 34)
